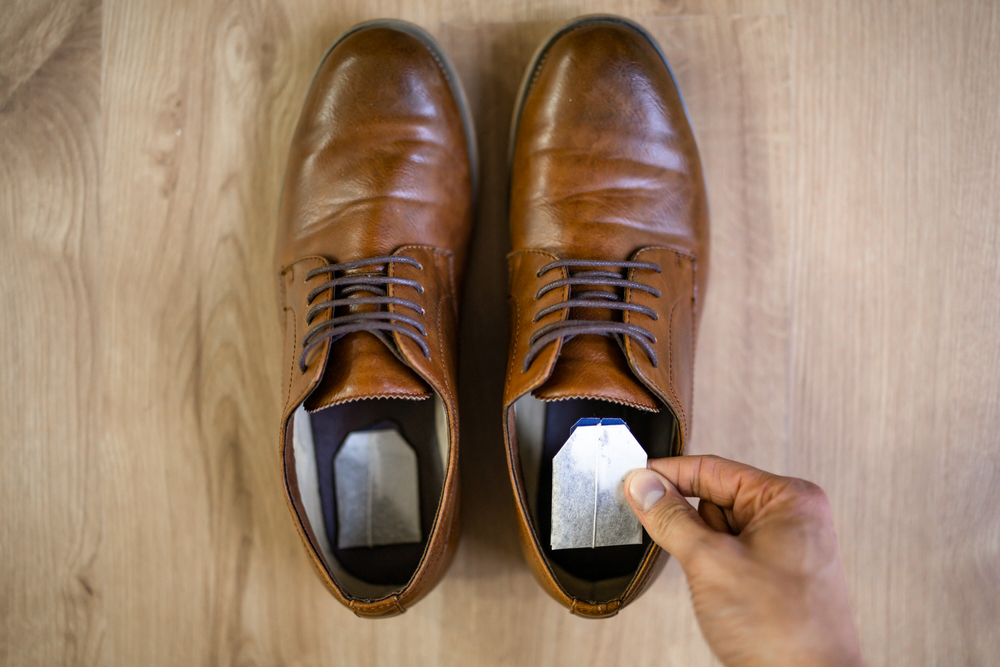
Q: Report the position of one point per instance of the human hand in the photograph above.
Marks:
(761, 559)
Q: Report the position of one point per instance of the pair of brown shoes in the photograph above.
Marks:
(609, 230)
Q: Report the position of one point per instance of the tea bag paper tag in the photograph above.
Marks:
(375, 476)
(588, 493)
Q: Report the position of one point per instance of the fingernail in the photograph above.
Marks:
(646, 488)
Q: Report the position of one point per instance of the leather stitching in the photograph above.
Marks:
(633, 404)
(694, 316)
(444, 71)
(289, 267)
(524, 515)
(291, 369)
(440, 317)
(322, 352)
(511, 257)
(432, 558)
(367, 397)
(444, 363)
(559, 344)
(671, 385)
(451, 279)
(679, 254)
(295, 338)
(517, 337)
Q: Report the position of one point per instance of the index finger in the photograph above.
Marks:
(713, 478)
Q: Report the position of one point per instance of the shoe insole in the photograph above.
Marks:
(392, 564)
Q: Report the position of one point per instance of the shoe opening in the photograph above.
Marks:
(541, 428)
(363, 567)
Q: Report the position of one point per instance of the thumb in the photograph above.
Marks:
(667, 516)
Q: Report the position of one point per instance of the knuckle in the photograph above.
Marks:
(665, 520)
(695, 481)
(666, 517)
(811, 491)
(812, 497)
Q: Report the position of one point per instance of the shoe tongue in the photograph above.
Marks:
(361, 366)
(595, 367)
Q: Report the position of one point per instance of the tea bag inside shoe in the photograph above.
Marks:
(588, 496)
(370, 473)
(542, 430)
(378, 500)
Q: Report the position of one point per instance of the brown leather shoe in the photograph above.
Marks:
(375, 218)
(609, 234)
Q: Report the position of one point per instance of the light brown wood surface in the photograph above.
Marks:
(851, 336)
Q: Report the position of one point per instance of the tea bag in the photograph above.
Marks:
(588, 495)
(378, 503)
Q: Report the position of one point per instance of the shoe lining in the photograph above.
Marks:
(541, 428)
(368, 572)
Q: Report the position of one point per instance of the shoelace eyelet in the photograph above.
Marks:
(377, 322)
(600, 274)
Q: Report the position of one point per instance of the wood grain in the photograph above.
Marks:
(51, 607)
(849, 336)
(895, 353)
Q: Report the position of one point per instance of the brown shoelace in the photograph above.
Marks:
(354, 290)
(605, 274)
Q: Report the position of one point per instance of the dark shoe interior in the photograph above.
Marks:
(654, 431)
(391, 565)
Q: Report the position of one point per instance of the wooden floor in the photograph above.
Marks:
(852, 330)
